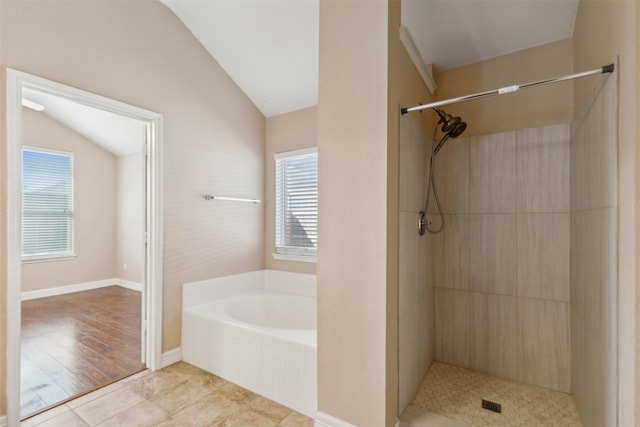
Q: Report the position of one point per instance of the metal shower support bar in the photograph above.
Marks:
(509, 89)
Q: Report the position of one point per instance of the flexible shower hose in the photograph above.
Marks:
(431, 184)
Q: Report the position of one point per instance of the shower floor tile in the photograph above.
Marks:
(456, 393)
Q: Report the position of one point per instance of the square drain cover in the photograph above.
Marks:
(492, 406)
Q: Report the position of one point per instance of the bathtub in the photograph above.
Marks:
(257, 330)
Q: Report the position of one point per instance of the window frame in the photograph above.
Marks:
(291, 253)
(46, 257)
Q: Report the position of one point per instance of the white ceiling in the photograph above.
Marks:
(117, 134)
(270, 47)
(451, 33)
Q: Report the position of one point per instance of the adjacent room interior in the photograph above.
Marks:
(83, 249)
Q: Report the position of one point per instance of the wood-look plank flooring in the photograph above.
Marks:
(75, 343)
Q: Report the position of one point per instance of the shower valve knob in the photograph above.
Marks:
(422, 223)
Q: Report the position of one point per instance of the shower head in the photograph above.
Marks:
(457, 129)
(448, 122)
(451, 126)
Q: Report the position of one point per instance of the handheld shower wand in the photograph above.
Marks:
(452, 128)
(441, 143)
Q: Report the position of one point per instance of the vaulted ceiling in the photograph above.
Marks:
(117, 134)
(270, 47)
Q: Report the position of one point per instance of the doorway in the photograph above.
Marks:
(150, 123)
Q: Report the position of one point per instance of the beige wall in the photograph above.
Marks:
(213, 136)
(603, 31)
(352, 251)
(94, 171)
(527, 108)
(359, 160)
(291, 131)
(130, 218)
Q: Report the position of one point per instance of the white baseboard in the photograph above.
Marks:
(325, 420)
(3, 421)
(79, 287)
(170, 357)
(134, 286)
(61, 290)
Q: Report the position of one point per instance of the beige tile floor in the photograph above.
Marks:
(178, 395)
(456, 393)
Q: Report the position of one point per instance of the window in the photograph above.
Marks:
(47, 204)
(297, 204)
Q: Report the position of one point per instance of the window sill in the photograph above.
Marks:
(291, 257)
(30, 260)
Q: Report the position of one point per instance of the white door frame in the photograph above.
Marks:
(152, 306)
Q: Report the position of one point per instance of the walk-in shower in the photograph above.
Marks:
(499, 306)
(452, 127)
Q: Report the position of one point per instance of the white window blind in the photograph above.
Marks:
(47, 204)
(297, 202)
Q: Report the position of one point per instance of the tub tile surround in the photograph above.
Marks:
(504, 262)
(278, 364)
(178, 395)
(415, 290)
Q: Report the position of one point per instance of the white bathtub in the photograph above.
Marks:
(273, 310)
(257, 330)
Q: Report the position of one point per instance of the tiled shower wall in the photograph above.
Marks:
(501, 264)
(593, 257)
(416, 263)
